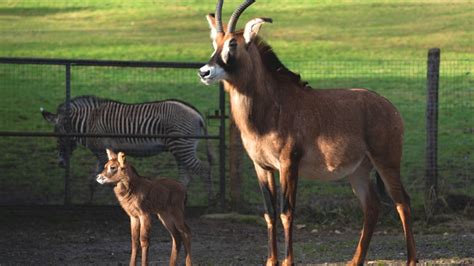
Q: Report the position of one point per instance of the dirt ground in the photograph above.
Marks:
(56, 235)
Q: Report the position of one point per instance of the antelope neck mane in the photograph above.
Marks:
(131, 172)
(273, 64)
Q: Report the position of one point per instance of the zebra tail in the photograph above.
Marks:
(209, 148)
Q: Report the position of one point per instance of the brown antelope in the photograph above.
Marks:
(140, 198)
(322, 134)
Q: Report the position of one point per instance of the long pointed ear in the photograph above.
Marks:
(211, 19)
(110, 154)
(121, 159)
(50, 117)
(252, 27)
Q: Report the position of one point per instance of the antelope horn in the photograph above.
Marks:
(235, 16)
(219, 27)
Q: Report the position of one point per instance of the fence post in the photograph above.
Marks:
(431, 174)
(222, 146)
(235, 166)
(67, 170)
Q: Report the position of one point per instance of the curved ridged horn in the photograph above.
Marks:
(219, 27)
(235, 16)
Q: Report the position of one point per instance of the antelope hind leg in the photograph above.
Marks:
(363, 189)
(394, 186)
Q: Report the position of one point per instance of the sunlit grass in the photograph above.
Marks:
(177, 30)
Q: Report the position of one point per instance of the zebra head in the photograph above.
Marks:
(59, 122)
(114, 169)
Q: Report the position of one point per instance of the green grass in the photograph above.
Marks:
(380, 45)
(177, 30)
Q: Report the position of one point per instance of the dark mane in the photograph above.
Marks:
(275, 66)
(83, 100)
(95, 101)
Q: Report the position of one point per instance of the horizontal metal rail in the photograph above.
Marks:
(90, 135)
(85, 62)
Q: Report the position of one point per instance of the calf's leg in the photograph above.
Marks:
(145, 226)
(135, 234)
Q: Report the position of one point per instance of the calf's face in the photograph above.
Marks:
(114, 169)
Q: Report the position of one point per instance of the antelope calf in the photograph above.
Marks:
(288, 127)
(140, 198)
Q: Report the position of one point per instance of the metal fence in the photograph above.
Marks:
(29, 173)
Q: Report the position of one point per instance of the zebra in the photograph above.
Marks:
(94, 115)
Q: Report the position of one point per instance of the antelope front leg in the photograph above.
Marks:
(145, 225)
(135, 233)
(288, 182)
(267, 187)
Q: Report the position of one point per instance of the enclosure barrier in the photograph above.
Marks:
(68, 63)
(443, 151)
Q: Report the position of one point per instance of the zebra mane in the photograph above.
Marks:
(94, 101)
(83, 101)
(91, 102)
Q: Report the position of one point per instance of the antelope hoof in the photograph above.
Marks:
(354, 263)
(412, 262)
(287, 262)
(271, 262)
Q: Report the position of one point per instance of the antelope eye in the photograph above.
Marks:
(113, 168)
(233, 43)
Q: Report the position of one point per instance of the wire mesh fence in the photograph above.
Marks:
(26, 88)
(30, 174)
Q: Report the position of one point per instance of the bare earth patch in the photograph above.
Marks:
(100, 235)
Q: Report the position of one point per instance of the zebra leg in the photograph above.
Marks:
(185, 153)
(183, 174)
(190, 165)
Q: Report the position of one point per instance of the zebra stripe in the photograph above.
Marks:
(91, 114)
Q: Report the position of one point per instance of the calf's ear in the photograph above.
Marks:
(110, 154)
(121, 159)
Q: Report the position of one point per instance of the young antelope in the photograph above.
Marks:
(140, 198)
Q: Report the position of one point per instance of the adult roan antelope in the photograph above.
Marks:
(287, 126)
(141, 198)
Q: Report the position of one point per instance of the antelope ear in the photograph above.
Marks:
(252, 27)
(50, 117)
(121, 159)
(211, 19)
(110, 154)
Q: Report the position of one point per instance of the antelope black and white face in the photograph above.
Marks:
(230, 47)
(114, 169)
(59, 122)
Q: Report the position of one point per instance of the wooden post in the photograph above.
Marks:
(235, 165)
(431, 174)
(222, 145)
